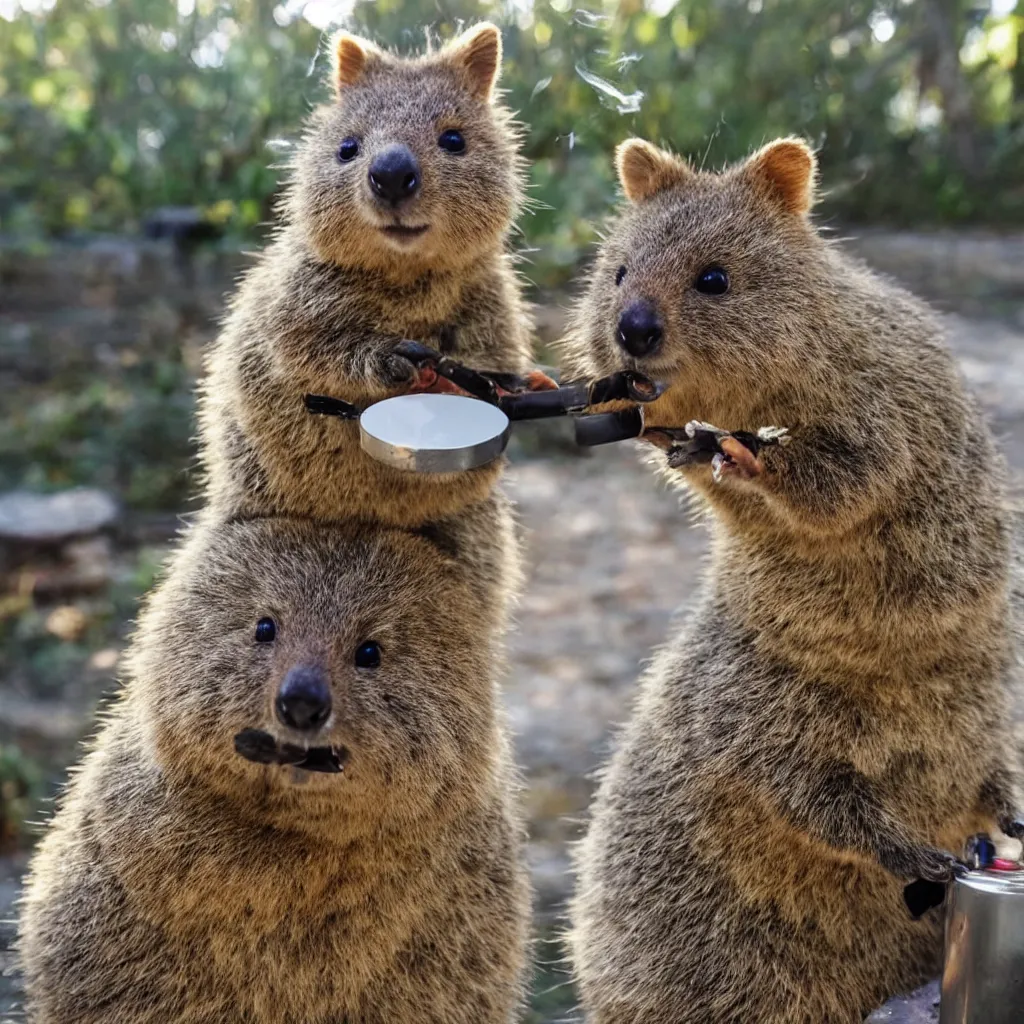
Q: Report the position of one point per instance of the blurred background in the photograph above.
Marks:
(141, 146)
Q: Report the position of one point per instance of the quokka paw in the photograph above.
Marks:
(415, 380)
(395, 371)
(732, 453)
(538, 380)
(935, 865)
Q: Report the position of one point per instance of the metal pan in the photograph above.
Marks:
(430, 433)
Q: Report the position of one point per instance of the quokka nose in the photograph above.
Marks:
(640, 329)
(395, 174)
(304, 699)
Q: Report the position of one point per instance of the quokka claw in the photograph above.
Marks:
(730, 453)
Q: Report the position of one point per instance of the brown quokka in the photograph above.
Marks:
(831, 722)
(395, 227)
(183, 883)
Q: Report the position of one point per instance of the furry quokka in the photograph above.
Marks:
(182, 883)
(831, 721)
(394, 227)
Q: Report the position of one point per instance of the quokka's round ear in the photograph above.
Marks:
(787, 171)
(352, 57)
(477, 54)
(644, 169)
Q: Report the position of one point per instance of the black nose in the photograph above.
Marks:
(304, 700)
(395, 174)
(640, 329)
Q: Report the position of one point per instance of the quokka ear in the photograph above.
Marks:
(352, 57)
(787, 171)
(644, 169)
(477, 54)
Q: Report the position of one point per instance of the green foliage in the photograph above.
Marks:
(131, 435)
(109, 108)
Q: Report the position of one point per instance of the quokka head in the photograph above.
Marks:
(414, 165)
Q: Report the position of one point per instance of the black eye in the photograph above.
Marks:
(368, 654)
(348, 150)
(452, 141)
(266, 630)
(712, 281)
(620, 274)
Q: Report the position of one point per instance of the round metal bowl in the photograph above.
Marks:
(433, 433)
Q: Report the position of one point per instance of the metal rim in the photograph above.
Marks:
(436, 460)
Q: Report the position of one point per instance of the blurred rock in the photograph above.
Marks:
(51, 519)
(66, 622)
(105, 659)
(183, 225)
(51, 720)
(920, 1007)
(84, 567)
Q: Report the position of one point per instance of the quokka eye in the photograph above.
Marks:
(368, 654)
(266, 630)
(712, 281)
(620, 274)
(451, 141)
(348, 150)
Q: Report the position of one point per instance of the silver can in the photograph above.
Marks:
(983, 975)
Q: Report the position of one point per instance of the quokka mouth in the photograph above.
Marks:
(404, 233)
(262, 748)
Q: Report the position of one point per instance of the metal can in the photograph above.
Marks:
(983, 974)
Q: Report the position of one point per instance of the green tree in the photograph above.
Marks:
(109, 108)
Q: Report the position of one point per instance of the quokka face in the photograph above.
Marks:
(703, 276)
(415, 161)
(322, 639)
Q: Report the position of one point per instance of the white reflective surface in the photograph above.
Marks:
(433, 421)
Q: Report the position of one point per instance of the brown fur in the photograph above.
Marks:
(181, 883)
(833, 714)
(323, 307)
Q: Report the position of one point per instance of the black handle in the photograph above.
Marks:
(607, 427)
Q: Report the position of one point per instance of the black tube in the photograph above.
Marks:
(539, 405)
(624, 384)
(324, 405)
(476, 384)
(606, 427)
(257, 745)
(260, 747)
